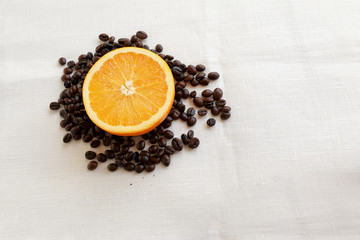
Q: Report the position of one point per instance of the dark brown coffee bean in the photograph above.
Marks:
(106, 141)
(218, 93)
(202, 112)
(177, 144)
(67, 84)
(68, 101)
(65, 77)
(215, 111)
(129, 142)
(185, 94)
(90, 55)
(115, 147)
(95, 143)
(184, 116)
(159, 48)
(200, 68)
(191, 121)
(160, 153)
(160, 130)
(100, 136)
(166, 124)
(208, 105)
(168, 119)
(54, 106)
(225, 109)
(185, 139)
(129, 167)
(208, 99)
(109, 154)
(211, 122)
(149, 167)
(206, 93)
(154, 139)
(92, 165)
(225, 116)
(191, 111)
(162, 55)
(141, 35)
(129, 156)
(190, 134)
(169, 57)
(139, 168)
(139, 44)
(124, 149)
(146, 47)
(77, 136)
(75, 130)
(140, 145)
(169, 150)
(104, 37)
(200, 76)
(71, 64)
(204, 82)
(193, 94)
(198, 102)
(144, 158)
(153, 149)
(67, 138)
(69, 126)
(168, 134)
(191, 70)
(162, 142)
(119, 156)
(194, 82)
(101, 157)
(68, 70)
(112, 167)
(189, 78)
(90, 155)
(62, 61)
(122, 41)
(179, 95)
(134, 39)
(155, 159)
(87, 138)
(194, 142)
(165, 159)
(111, 40)
(84, 125)
(213, 75)
(176, 114)
(220, 103)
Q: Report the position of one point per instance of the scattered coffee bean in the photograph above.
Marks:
(207, 93)
(112, 167)
(211, 122)
(134, 39)
(213, 75)
(208, 99)
(90, 155)
(191, 121)
(193, 94)
(54, 106)
(92, 165)
(185, 139)
(194, 142)
(184, 116)
(101, 157)
(106, 141)
(139, 168)
(129, 166)
(220, 103)
(198, 102)
(162, 142)
(225, 115)
(168, 134)
(62, 61)
(129, 156)
(189, 78)
(190, 134)
(140, 145)
(177, 144)
(95, 143)
(165, 159)
(87, 138)
(218, 93)
(169, 150)
(141, 35)
(109, 154)
(149, 167)
(215, 111)
(191, 70)
(191, 111)
(200, 68)
(104, 37)
(67, 138)
(225, 109)
(153, 149)
(202, 112)
(159, 48)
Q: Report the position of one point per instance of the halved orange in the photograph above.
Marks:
(128, 91)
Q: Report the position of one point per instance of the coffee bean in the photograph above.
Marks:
(112, 167)
(71, 64)
(139, 44)
(115, 147)
(129, 167)
(211, 122)
(65, 77)
(62, 61)
(75, 130)
(225, 109)
(69, 126)
(200, 68)
(202, 112)
(87, 138)
(67, 138)
(139, 168)
(190, 134)
(129, 156)
(92, 165)
(111, 39)
(189, 78)
(198, 102)
(160, 130)
(191, 70)
(162, 142)
(220, 103)
(218, 93)
(215, 111)
(193, 94)
(100, 136)
(194, 142)
(141, 35)
(200, 76)
(109, 154)
(185, 94)
(144, 158)
(54, 106)
(191, 121)
(106, 141)
(185, 139)
(191, 111)
(208, 99)
(123, 41)
(168, 134)
(84, 125)
(204, 82)
(90, 155)
(155, 159)
(184, 116)
(208, 105)
(176, 114)
(177, 144)
(134, 39)
(101, 157)
(119, 156)
(168, 119)
(169, 57)
(169, 150)
(68, 70)
(124, 149)
(165, 159)
(160, 153)
(154, 139)
(77, 136)
(149, 167)
(153, 149)
(104, 37)
(140, 145)
(207, 93)
(213, 75)
(225, 116)
(95, 143)
(194, 82)
(159, 48)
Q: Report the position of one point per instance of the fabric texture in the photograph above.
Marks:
(285, 166)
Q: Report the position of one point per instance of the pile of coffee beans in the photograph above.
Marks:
(131, 153)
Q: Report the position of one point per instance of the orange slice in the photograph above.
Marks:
(128, 91)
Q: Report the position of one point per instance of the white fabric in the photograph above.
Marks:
(285, 166)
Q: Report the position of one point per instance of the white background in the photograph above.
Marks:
(285, 166)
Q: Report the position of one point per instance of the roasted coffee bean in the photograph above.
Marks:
(225, 109)
(213, 75)
(139, 44)
(155, 159)
(153, 149)
(146, 47)
(160, 130)
(176, 71)
(211, 122)
(106, 141)
(225, 115)
(177, 63)
(124, 149)
(181, 107)
(169, 57)
(71, 107)
(67, 138)
(185, 94)
(191, 70)
(139, 168)
(87, 138)
(92, 165)
(168, 119)
(65, 77)
(159, 48)
(62, 61)
(215, 111)
(162, 142)
(168, 134)
(100, 136)
(122, 41)
(194, 82)
(68, 70)
(111, 40)
(95, 143)
(77, 136)
(129, 156)
(154, 139)
(218, 93)
(177, 144)
(192, 94)
(184, 116)
(204, 82)
(119, 163)
(185, 139)
(149, 167)
(112, 167)
(160, 153)
(140, 145)
(136, 157)
(71, 64)
(115, 147)
(134, 39)
(129, 166)
(179, 95)
(198, 102)
(190, 134)
(200, 76)
(104, 37)
(84, 125)
(101, 157)
(202, 112)
(191, 121)
(129, 142)
(189, 78)
(90, 155)
(75, 130)
(146, 136)
(67, 84)
(169, 150)
(141, 35)
(208, 105)
(54, 106)
(176, 114)
(191, 111)
(68, 101)
(165, 159)
(69, 126)
(208, 99)
(145, 153)
(109, 154)
(166, 124)
(119, 156)
(194, 142)
(98, 130)
(220, 103)
(200, 68)
(207, 93)
(144, 158)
